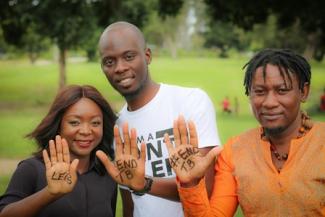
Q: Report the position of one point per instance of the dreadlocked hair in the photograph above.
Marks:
(286, 60)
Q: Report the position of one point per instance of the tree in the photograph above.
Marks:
(270, 35)
(309, 15)
(69, 23)
(224, 36)
(62, 21)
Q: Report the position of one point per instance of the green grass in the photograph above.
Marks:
(3, 183)
(27, 90)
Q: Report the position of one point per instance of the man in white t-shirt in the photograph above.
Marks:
(151, 109)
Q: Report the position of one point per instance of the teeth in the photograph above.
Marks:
(84, 142)
(125, 81)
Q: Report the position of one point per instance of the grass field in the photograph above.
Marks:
(26, 91)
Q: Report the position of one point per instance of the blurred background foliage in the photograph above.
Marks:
(172, 27)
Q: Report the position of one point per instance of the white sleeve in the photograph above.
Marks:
(200, 109)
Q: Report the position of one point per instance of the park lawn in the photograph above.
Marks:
(26, 92)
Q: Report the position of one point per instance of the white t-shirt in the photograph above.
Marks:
(156, 118)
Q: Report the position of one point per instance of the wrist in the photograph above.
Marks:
(51, 194)
(147, 187)
(188, 184)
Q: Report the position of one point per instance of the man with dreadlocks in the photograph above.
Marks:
(277, 169)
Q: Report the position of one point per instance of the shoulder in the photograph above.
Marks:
(182, 90)
(34, 161)
(320, 124)
(243, 139)
(31, 164)
(188, 95)
(319, 129)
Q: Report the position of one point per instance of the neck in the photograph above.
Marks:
(284, 137)
(144, 97)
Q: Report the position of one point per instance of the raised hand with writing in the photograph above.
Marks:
(185, 158)
(128, 167)
(60, 174)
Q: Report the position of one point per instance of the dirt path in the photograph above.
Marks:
(7, 166)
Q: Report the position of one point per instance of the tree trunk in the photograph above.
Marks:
(310, 46)
(62, 59)
(171, 44)
(32, 57)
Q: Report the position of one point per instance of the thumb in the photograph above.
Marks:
(73, 166)
(213, 154)
(109, 166)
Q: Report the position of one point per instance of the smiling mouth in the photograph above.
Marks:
(83, 143)
(125, 81)
(271, 117)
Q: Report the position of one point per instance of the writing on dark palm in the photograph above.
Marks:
(62, 176)
(125, 168)
(182, 158)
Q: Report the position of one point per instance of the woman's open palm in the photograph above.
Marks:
(61, 175)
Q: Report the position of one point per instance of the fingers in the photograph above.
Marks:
(168, 143)
(177, 137)
(58, 146)
(65, 150)
(143, 152)
(53, 156)
(194, 140)
(126, 138)
(73, 166)
(110, 168)
(46, 160)
(134, 147)
(213, 154)
(118, 141)
(182, 130)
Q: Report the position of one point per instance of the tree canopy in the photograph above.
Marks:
(309, 15)
(69, 24)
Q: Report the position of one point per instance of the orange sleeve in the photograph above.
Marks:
(223, 200)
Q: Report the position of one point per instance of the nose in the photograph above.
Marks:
(270, 100)
(85, 129)
(121, 66)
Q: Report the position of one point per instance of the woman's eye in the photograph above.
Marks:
(96, 123)
(74, 123)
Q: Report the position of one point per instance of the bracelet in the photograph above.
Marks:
(146, 188)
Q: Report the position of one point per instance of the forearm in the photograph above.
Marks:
(196, 203)
(165, 188)
(210, 172)
(30, 205)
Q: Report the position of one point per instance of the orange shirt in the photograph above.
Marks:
(246, 175)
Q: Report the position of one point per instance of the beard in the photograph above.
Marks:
(134, 94)
(274, 131)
